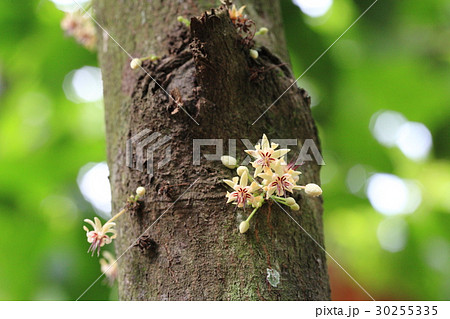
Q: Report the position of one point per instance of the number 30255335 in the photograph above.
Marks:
(406, 310)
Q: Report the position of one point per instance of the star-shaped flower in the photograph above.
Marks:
(243, 193)
(236, 14)
(280, 180)
(265, 155)
(98, 237)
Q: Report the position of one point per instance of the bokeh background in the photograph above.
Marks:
(380, 97)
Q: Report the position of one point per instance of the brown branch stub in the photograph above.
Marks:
(145, 243)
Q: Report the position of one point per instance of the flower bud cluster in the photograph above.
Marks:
(272, 180)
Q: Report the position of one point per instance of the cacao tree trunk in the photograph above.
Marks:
(195, 251)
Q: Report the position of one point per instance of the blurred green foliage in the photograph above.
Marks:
(395, 58)
(44, 140)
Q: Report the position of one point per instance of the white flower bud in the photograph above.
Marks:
(254, 54)
(243, 227)
(229, 161)
(294, 207)
(140, 191)
(290, 201)
(241, 170)
(313, 190)
(135, 63)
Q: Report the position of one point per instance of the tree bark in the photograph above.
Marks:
(198, 252)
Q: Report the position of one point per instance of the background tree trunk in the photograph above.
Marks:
(199, 252)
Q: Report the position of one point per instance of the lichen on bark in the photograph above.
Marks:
(199, 252)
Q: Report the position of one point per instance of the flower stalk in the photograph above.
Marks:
(123, 211)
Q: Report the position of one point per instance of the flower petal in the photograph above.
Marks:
(252, 153)
(265, 142)
(258, 170)
(90, 222)
(98, 223)
(254, 186)
(270, 191)
(293, 173)
(244, 179)
(108, 227)
(229, 183)
(278, 168)
(266, 176)
(280, 152)
(231, 199)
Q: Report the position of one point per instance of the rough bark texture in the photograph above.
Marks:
(198, 253)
